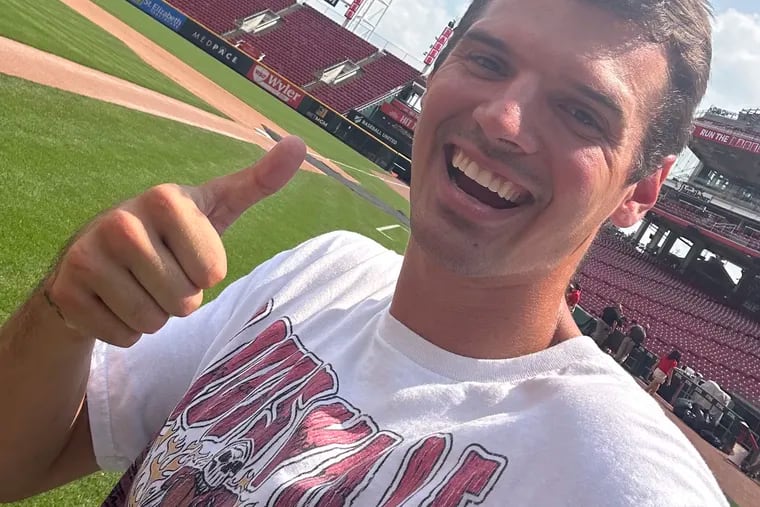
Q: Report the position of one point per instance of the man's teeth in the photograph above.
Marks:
(493, 182)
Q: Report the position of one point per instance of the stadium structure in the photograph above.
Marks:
(673, 274)
(360, 93)
(669, 275)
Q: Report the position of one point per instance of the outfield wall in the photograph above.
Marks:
(359, 132)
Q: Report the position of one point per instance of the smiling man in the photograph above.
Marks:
(340, 373)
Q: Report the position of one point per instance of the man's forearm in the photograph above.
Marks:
(44, 367)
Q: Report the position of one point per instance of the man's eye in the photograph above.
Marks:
(487, 63)
(583, 117)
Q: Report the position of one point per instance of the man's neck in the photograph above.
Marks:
(481, 318)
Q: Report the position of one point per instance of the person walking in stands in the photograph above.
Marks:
(573, 296)
(339, 372)
(636, 336)
(664, 371)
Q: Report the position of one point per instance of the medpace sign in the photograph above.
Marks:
(216, 47)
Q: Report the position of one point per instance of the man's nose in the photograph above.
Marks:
(507, 117)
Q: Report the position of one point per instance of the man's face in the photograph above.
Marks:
(528, 134)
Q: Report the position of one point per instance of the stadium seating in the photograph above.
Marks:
(717, 341)
(220, 15)
(378, 78)
(305, 43)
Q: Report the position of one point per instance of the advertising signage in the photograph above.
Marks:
(399, 116)
(392, 139)
(404, 108)
(321, 115)
(161, 12)
(216, 47)
(752, 146)
(276, 85)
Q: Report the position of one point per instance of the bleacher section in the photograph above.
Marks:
(302, 45)
(305, 43)
(380, 76)
(220, 15)
(717, 341)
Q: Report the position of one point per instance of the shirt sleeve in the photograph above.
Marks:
(132, 391)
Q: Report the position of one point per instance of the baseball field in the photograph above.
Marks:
(80, 131)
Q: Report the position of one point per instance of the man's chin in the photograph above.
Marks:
(461, 256)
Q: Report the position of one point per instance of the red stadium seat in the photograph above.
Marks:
(717, 341)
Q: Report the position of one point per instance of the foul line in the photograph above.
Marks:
(390, 182)
(382, 230)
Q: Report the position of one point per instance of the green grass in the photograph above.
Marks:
(241, 87)
(87, 492)
(66, 157)
(51, 26)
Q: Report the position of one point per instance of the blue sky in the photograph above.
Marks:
(735, 83)
(740, 5)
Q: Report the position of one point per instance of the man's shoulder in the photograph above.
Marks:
(337, 247)
(339, 256)
(334, 240)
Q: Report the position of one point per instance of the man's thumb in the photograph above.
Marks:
(225, 198)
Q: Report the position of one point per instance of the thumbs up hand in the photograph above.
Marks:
(138, 264)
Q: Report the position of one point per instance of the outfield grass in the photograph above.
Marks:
(51, 26)
(279, 113)
(66, 157)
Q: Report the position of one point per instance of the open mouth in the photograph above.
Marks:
(487, 187)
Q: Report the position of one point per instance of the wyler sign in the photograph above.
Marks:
(161, 12)
(276, 85)
(216, 47)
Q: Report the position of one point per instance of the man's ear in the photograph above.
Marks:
(642, 196)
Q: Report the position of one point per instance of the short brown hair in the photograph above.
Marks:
(682, 28)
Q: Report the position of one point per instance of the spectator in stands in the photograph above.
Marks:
(341, 372)
(613, 316)
(611, 320)
(635, 337)
(573, 296)
(664, 371)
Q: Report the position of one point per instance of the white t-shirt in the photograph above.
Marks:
(298, 387)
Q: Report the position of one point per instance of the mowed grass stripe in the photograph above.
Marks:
(51, 26)
(254, 96)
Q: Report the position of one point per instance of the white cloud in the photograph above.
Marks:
(736, 61)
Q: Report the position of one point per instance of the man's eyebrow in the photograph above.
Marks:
(601, 98)
(484, 38)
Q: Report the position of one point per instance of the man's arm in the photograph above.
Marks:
(43, 371)
(124, 275)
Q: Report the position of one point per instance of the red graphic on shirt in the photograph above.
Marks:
(265, 422)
